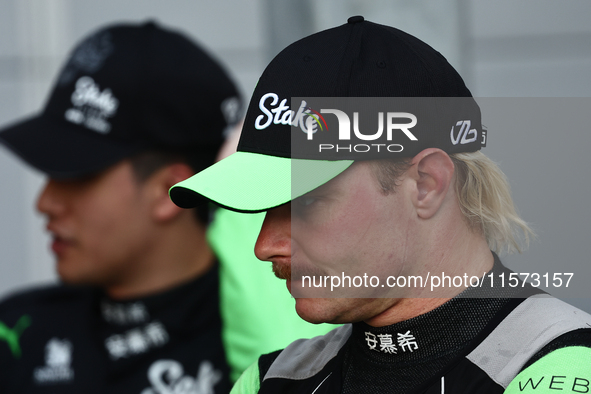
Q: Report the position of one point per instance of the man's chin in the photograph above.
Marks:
(69, 273)
(66, 272)
(315, 310)
(73, 279)
(306, 312)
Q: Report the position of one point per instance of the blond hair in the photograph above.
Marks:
(484, 198)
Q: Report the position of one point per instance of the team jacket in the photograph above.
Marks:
(77, 340)
(514, 340)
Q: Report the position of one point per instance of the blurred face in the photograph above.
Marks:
(347, 226)
(100, 225)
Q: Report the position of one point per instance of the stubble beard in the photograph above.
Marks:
(282, 271)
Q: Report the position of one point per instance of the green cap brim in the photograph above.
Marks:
(253, 182)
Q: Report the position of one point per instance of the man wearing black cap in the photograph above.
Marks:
(375, 228)
(136, 109)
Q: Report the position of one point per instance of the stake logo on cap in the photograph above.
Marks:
(360, 91)
(91, 106)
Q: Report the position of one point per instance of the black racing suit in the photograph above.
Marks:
(475, 343)
(65, 339)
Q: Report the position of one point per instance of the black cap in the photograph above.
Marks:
(359, 59)
(127, 89)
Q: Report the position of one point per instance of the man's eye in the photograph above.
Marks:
(304, 201)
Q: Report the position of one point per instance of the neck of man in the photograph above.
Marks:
(178, 252)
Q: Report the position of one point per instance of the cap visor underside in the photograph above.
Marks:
(60, 151)
(253, 182)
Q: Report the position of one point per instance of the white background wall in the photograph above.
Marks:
(503, 48)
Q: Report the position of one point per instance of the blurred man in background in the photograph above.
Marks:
(136, 109)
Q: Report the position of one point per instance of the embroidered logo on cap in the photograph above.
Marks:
(91, 106)
(465, 134)
(282, 114)
(88, 56)
(231, 109)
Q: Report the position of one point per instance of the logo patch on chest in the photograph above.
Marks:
(168, 376)
(387, 343)
(12, 336)
(58, 357)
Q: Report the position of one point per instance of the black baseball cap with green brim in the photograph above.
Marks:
(359, 59)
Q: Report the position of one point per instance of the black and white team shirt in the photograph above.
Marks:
(76, 340)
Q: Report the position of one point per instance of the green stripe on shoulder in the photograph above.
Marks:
(249, 382)
(567, 370)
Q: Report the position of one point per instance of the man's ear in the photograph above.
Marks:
(433, 172)
(163, 209)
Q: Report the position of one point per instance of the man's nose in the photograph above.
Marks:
(49, 202)
(274, 240)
